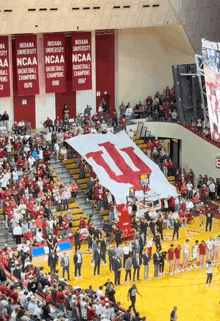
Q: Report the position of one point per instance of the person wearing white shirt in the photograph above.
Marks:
(126, 251)
(40, 155)
(212, 191)
(131, 134)
(128, 113)
(17, 232)
(31, 160)
(15, 175)
(209, 249)
(98, 308)
(186, 255)
(39, 236)
(189, 205)
(100, 110)
(93, 131)
(216, 249)
(189, 190)
(104, 127)
(175, 216)
(99, 293)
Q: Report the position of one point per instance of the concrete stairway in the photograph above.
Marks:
(5, 237)
(87, 207)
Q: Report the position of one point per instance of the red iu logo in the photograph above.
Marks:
(129, 176)
(217, 162)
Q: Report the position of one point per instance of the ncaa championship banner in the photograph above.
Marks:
(27, 65)
(118, 164)
(54, 62)
(211, 59)
(4, 68)
(81, 61)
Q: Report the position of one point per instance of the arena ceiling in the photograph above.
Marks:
(199, 18)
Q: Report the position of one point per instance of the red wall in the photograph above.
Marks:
(68, 97)
(105, 68)
(22, 112)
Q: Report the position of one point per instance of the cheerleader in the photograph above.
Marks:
(186, 255)
(195, 253)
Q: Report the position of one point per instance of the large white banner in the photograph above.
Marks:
(118, 163)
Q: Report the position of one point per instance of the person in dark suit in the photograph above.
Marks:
(136, 246)
(146, 261)
(103, 249)
(117, 266)
(78, 261)
(156, 259)
(65, 264)
(111, 255)
(77, 240)
(52, 261)
(97, 259)
(141, 243)
(137, 262)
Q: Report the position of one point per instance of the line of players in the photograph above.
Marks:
(208, 250)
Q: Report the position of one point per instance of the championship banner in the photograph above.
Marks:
(118, 164)
(54, 62)
(4, 68)
(27, 65)
(81, 61)
(211, 60)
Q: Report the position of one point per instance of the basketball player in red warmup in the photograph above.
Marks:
(177, 252)
(171, 258)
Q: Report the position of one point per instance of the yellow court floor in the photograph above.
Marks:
(186, 290)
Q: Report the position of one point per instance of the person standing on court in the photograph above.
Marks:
(209, 267)
(209, 220)
(176, 227)
(118, 236)
(137, 262)
(117, 269)
(97, 259)
(173, 315)
(111, 256)
(171, 258)
(146, 261)
(77, 240)
(65, 264)
(128, 266)
(132, 295)
(156, 259)
(177, 252)
(78, 261)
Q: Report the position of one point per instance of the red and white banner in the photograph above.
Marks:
(118, 163)
(4, 68)
(81, 61)
(27, 65)
(54, 62)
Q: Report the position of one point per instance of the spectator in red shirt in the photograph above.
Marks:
(60, 299)
(123, 122)
(91, 313)
(149, 148)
